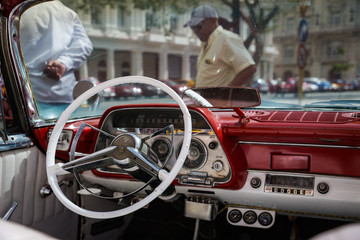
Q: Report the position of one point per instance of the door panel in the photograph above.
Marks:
(22, 176)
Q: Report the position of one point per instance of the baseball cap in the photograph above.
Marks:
(199, 14)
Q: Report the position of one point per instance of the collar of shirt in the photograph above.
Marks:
(212, 37)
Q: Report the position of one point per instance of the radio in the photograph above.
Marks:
(285, 184)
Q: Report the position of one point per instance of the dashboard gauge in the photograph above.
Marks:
(196, 157)
(250, 217)
(265, 218)
(235, 216)
(161, 147)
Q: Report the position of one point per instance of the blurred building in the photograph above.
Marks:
(129, 41)
(332, 42)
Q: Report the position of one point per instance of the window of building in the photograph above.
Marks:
(317, 19)
(334, 49)
(125, 67)
(173, 23)
(150, 21)
(175, 66)
(151, 64)
(289, 52)
(121, 16)
(96, 15)
(102, 73)
(290, 24)
(335, 18)
(102, 63)
(351, 17)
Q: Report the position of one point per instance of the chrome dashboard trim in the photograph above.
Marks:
(339, 203)
(15, 142)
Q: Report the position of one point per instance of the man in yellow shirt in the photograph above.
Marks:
(223, 59)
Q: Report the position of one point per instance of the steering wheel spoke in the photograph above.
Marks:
(91, 161)
(142, 162)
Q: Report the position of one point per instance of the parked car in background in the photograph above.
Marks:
(343, 84)
(310, 87)
(127, 90)
(190, 83)
(274, 85)
(291, 86)
(356, 84)
(179, 88)
(262, 85)
(321, 83)
(149, 91)
(107, 93)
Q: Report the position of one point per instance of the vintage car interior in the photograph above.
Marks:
(210, 163)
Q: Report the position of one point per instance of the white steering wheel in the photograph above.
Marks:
(166, 178)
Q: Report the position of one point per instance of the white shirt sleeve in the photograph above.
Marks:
(79, 48)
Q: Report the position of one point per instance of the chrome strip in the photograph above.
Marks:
(298, 145)
(15, 142)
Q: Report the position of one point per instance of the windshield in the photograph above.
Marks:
(299, 54)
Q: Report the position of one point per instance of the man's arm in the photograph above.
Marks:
(244, 77)
(79, 48)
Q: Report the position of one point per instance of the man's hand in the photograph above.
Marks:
(54, 69)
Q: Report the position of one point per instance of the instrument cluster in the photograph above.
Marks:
(206, 163)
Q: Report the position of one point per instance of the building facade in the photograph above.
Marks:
(332, 43)
(125, 44)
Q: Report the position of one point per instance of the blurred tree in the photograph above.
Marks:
(258, 20)
(337, 69)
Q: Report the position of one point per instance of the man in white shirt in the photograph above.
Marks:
(54, 43)
(223, 59)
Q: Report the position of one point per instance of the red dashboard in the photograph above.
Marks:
(286, 141)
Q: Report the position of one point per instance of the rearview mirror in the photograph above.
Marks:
(222, 97)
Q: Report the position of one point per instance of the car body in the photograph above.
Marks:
(291, 85)
(108, 93)
(179, 88)
(322, 84)
(262, 85)
(127, 90)
(202, 163)
(343, 84)
(150, 91)
(190, 83)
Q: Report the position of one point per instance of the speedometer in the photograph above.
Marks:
(161, 147)
(197, 155)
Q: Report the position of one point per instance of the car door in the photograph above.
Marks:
(22, 162)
